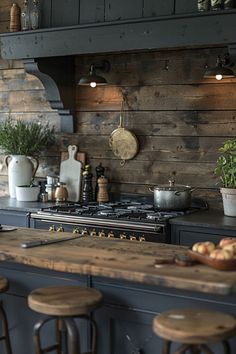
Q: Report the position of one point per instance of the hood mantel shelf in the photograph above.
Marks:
(176, 31)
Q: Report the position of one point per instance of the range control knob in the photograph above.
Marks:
(132, 238)
(76, 230)
(158, 228)
(141, 238)
(60, 229)
(102, 234)
(84, 232)
(93, 233)
(52, 228)
(110, 234)
(123, 236)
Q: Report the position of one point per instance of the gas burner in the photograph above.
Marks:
(140, 207)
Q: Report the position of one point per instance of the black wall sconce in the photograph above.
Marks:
(221, 70)
(93, 79)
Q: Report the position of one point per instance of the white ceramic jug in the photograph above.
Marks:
(21, 170)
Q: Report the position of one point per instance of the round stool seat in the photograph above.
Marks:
(64, 300)
(194, 326)
(3, 284)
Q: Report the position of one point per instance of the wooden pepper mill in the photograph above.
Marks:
(102, 196)
(87, 193)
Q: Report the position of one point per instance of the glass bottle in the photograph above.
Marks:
(25, 16)
(35, 15)
(203, 5)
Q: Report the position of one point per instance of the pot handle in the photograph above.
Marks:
(6, 160)
(35, 163)
(151, 188)
(193, 189)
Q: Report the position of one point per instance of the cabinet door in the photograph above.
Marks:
(187, 236)
(14, 218)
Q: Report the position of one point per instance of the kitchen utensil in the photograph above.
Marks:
(70, 173)
(61, 193)
(172, 196)
(36, 243)
(180, 260)
(80, 156)
(123, 142)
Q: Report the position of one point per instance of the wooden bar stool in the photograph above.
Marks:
(194, 329)
(5, 332)
(63, 304)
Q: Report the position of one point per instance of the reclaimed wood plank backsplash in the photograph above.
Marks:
(180, 119)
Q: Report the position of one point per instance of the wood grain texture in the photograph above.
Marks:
(115, 258)
(64, 300)
(194, 326)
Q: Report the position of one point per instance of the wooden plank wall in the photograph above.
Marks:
(22, 96)
(180, 119)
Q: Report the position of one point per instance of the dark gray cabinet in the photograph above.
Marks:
(188, 235)
(14, 218)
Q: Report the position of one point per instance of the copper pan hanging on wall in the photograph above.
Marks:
(123, 142)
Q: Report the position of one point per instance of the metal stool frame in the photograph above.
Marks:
(5, 335)
(65, 326)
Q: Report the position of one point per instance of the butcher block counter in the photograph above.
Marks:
(116, 259)
(134, 289)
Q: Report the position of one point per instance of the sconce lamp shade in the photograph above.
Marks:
(93, 79)
(221, 70)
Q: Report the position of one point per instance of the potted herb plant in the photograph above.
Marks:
(226, 169)
(22, 142)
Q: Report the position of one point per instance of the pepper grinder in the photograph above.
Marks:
(102, 196)
(99, 172)
(87, 193)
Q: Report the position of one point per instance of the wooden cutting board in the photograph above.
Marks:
(80, 156)
(71, 174)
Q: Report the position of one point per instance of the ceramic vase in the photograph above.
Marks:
(21, 170)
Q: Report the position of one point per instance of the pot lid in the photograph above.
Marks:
(176, 187)
(172, 187)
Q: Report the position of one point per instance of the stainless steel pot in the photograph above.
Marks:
(172, 196)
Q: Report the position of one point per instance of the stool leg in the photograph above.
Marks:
(36, 337)
(73, 336)
(182, 349)
(166, 346)
(205, 349)
(5, 331)
(94, 333)
(226, 347)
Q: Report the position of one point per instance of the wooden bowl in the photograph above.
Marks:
(229, 264)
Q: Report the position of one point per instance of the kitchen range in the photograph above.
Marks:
(127, 219)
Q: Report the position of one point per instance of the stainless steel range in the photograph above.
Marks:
(136, 221)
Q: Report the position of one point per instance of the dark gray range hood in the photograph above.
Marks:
(152, 33)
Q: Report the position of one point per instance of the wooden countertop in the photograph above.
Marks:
(114, 258)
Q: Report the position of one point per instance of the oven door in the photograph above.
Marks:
(160, 233)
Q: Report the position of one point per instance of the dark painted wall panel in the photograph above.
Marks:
(92, 11)
(153, 8)
(65, 12)
(46, 10)
(123, 9)
(185, 6)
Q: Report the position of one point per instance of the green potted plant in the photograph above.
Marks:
(23, 141)
(226, 169)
